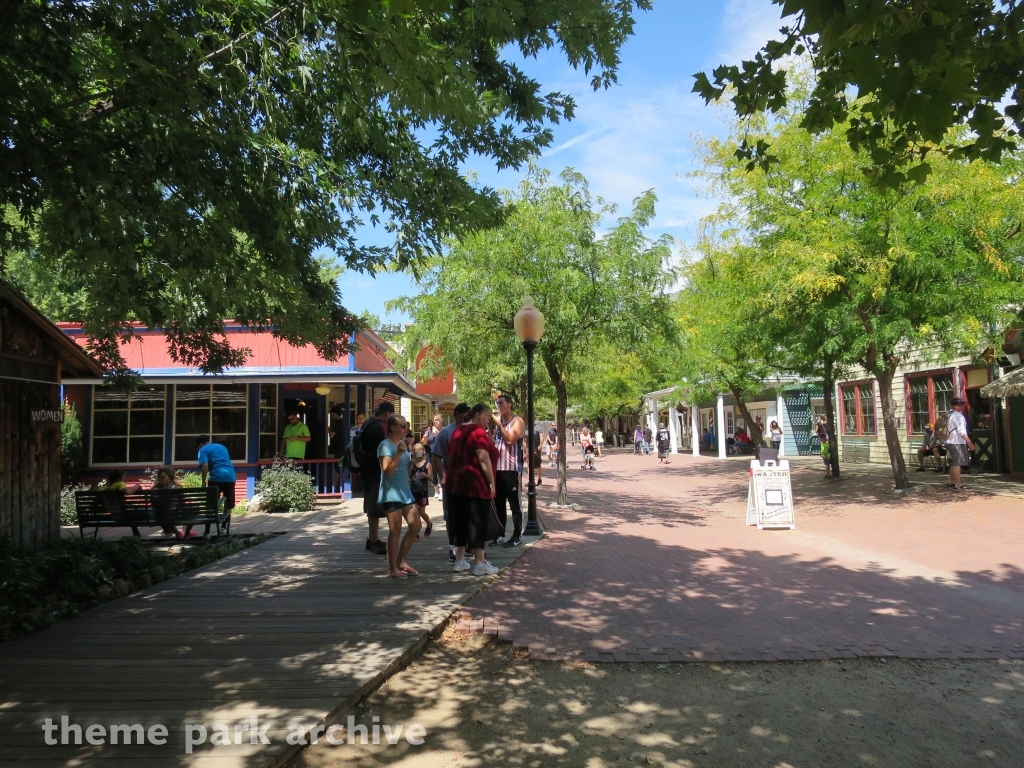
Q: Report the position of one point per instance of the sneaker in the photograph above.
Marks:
(496, 542)
(920, 469)
(379, 548)
(484, 569)
(513, 542)
(462, 565)
(451, 554)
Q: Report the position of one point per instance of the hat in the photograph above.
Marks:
(461, 408)
(957, 401)
(929, 425)
(385, 407)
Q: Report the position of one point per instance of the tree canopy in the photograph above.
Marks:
(187, 162)
(915, 70)
(597, 291)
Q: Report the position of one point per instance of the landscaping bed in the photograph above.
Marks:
(64, 577)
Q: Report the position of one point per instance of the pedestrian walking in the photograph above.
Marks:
(509, 431)
(470, 487)
(421, 481)
(638, 441)
(599, 441)
(395, 496)
(439, 460)
(664, 445)
(551, 446)
(648, 438)
(586, 439)
(958, 442)
(373, 433)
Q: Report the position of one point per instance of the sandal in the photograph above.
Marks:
(429, 529)
(399, 574)
(409, 570)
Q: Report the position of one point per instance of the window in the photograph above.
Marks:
(419, 419)
(858, 408)
(128, 428)
(931, 399)
(217, 410)
(268, 421)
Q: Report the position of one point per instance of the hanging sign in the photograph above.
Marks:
(770, 495)
(43, 416)
(447, 409)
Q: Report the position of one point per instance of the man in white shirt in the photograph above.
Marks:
(957, 443)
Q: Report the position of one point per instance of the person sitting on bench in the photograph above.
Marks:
(930, 445)
(115, 482)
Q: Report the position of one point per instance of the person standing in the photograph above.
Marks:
(353, 460)
(421, 478)
(470, 488)
(509, 430)
(294, 439)
(217, 470)
(664, 445)
(551, 445)
(395, 496)
(599, 441)
(439, 460)
(648, 438)
(585, 438)
(372, 435)
(638, 441)
(775, 434)
(336, 446)
(958, 442)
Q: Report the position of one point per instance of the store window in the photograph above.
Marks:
(931, 399)
(419, 419)
(858, 408)
(268, 421)
(218, 410)
(128, 427)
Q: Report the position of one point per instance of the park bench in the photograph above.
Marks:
(163, 507)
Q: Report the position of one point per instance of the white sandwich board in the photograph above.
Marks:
(770, 495)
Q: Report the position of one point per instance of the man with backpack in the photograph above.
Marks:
(366, 444)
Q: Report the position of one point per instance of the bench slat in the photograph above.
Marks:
(163, 507)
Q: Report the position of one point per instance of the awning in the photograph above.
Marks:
(1010, 385)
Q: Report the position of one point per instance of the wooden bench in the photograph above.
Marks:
(164, 507)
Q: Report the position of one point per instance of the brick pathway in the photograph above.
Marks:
(658, 566)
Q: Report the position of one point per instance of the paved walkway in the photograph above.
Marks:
(659, 566)
(294, 630)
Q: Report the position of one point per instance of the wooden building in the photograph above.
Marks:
(34, 356)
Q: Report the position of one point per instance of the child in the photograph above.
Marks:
(421, 477)
(588, 456)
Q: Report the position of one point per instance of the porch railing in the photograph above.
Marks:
(329, 478)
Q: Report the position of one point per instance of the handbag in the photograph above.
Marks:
(494, 527)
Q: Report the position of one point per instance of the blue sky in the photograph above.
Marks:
(636, 135)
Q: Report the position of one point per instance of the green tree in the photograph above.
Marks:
(915, 70)
(72, 457)
(864, 275)
(182, 163)
(595, 291)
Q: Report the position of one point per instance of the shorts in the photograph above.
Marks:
(394, 506)
(371, 487)
(958, 455)
(421, 502)
(467, 520)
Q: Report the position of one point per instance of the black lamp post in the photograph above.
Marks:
(529, 325)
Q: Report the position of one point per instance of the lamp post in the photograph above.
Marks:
(529, 325)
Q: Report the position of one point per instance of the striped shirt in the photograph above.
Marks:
(508, 455)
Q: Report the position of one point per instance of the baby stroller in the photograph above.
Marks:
(588, 458)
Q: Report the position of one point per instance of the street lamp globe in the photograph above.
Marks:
(529, 322)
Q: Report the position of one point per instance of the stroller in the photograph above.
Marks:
(588, 458)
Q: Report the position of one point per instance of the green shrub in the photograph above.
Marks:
(191, 480)
(286, 488)
(71, 455)
(68, 516)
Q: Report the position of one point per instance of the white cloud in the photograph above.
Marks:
(746, 26)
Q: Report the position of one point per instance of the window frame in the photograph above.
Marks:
(210, 408)
(858, 388)
(128, 435)
(933, 415)
(276, 409)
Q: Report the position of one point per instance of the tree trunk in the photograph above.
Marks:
(892, 436)
(756, 436)
(829, 386)
(562, 400)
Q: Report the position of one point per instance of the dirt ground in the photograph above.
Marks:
(484, 704)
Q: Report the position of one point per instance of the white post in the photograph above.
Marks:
(720, 427)
(673, 430)
(779, 407)
(695, 430)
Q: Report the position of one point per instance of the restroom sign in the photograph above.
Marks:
(770, 495)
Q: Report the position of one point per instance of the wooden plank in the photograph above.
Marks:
(298, 627)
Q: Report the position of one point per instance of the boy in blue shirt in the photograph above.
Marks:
(215, 464)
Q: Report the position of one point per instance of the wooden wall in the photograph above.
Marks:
(29, 464)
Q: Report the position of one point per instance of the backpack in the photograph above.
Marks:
(364, 453)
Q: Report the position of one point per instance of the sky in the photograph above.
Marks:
(636, 135)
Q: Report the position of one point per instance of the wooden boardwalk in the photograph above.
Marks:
(292, 631)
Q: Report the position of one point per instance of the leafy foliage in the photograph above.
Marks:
(286, 488)
(184, 163)
(914, 71)
(71, 454)
(596, 293)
